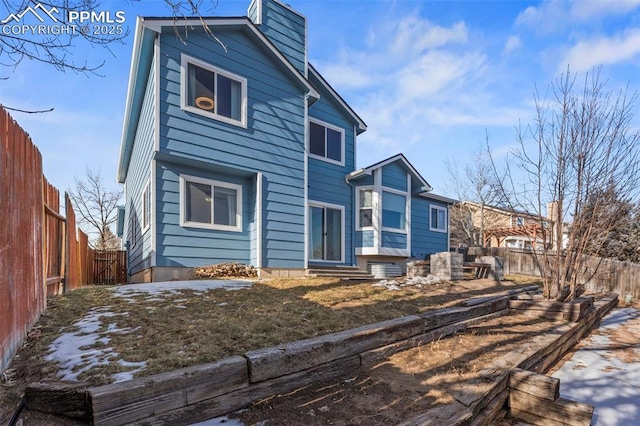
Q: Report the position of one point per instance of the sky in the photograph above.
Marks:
(432, 79)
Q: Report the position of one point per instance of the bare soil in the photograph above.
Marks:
(404, 385)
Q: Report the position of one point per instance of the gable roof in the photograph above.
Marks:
(424, 187)
(398, 157)
(339, 100)
(143, 46)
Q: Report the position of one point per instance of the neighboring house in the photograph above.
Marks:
(501, 227)
(241, 151)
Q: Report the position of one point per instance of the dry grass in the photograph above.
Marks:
(188, 327)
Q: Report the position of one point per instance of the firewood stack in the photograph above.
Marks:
(226, 270)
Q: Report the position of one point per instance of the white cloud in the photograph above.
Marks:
(554, 15)
(587, 10)
(546, 18)
(408, 65)
(513, 43)
(601, 51)
(414, 34)
(344, 75)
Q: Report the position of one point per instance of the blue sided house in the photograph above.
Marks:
(235, 149)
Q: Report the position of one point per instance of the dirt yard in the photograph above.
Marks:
(143, 334)
(404, 385)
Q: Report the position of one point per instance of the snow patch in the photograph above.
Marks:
(397, 284)
(75, 353)
(595, 376)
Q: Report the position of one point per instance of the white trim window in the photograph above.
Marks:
(146, 207)
(213, 92)
(131, 234)
(210, 204)
(394, 211)
(365, 208)
(438, 219)
(326, 142)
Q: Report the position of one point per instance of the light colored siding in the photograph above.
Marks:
(424, 241)
(394, 176)
(137, 177)
(364, 238)
(286, 30)
(252, 11)
(272, 143)
(394, 240)
(188, 246)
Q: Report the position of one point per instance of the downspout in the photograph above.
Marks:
(306, 182)
(353, 220)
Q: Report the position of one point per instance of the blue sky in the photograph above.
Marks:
(427, 77)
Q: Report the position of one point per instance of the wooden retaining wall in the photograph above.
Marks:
(480, 401)
(209, 390)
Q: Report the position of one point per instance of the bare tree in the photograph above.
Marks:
(582, 142)
(476, 184)
(98, 208)
(56, 47)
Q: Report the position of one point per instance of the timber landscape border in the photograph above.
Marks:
(210, 390)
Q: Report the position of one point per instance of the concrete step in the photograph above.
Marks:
(366, 277)
(344, 272)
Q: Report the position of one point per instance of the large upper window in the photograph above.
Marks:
(438, 220)
(213, 92)
(394, 207)
(326, 142)
(211, 204)
(365, 208)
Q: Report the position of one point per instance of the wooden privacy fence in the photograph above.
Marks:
(41, 251)
(54, 247)
(22, 236)
(110, 267)
(608, 275)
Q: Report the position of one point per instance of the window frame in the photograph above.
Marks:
(184, 89)
(433, 207)
(145, 210)
(342, 142)
(407, 210)
(360, 207)
(184, 179)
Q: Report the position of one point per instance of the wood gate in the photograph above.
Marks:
(110, 267)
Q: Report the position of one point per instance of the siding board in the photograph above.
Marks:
(272, 144)
(137, 177)
(394, 176)
(423, 241)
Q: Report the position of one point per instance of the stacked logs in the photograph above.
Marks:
(226, 270)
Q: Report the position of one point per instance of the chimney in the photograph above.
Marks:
(284, 27)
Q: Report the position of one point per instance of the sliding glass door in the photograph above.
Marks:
(325, 233)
